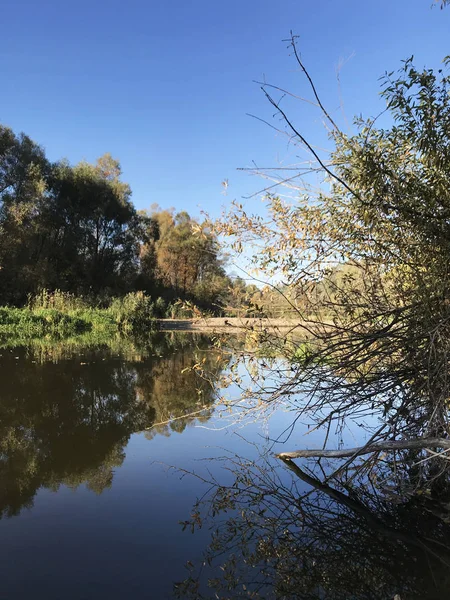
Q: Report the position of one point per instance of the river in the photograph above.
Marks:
(95, 455)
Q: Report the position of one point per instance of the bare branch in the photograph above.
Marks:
(414, 444)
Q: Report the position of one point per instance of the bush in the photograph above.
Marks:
(40, 321)
(62, 314)
(133, 312)
(160, 308)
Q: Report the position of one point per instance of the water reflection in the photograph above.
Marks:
(65, 420)
(284, 533)
(174, 394)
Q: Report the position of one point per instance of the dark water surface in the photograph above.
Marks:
(89, 508)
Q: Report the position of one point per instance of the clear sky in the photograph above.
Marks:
(165, 86)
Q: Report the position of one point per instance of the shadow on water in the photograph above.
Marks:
(65, 418)
(283, 532)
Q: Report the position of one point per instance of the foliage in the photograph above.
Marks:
(65, 315)
(58, 300)
(74, 228)
(40, 322)
(183, 257)
(364, 261)
(135, 311)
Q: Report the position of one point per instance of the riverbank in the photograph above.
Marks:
(64, 315)
(229, 324)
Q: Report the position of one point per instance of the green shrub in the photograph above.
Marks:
(40, 321)
(160, 308)
(63, 315)
(133, 312)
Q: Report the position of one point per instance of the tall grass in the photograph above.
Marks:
(40, 322)
(62, 301)
(134, 312)
(62, 314)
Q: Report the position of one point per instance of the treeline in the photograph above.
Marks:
(74, 228)
(320, 297)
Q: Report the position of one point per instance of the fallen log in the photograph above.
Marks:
(414, 444)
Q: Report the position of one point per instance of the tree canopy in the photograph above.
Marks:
(75, 228)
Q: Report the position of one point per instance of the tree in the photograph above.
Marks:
(147, 253)
(96, 230)
(23, 193)
(75, 228)
(184, 256)
(378, 333)
(63, 226)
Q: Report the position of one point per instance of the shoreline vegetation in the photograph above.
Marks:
(65, 316)
(75, 228)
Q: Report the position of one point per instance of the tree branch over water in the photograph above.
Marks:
(414, 444)
(363, 255)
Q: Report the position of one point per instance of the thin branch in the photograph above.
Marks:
(311, 83)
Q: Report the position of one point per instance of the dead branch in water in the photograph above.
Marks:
(414, 444)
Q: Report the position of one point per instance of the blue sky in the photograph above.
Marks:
(165, 86)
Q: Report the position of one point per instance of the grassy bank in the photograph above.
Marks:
(64, 315)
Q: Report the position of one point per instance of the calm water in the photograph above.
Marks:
(91, 510)
(88, 506)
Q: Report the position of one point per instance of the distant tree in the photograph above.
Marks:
(63, 226)
(147, 253)
(95, 228)
(184, 256)
(75, 228)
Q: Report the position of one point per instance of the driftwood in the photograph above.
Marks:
(414, 444)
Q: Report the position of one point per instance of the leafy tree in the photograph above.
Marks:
(184, 256)
(380, 330)
(240, 297)
(147, 253)
(96, 230)
(68, 227)
(75, 228)
(23, 193)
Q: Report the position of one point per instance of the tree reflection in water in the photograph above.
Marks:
(65, 420)
(283, 533)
